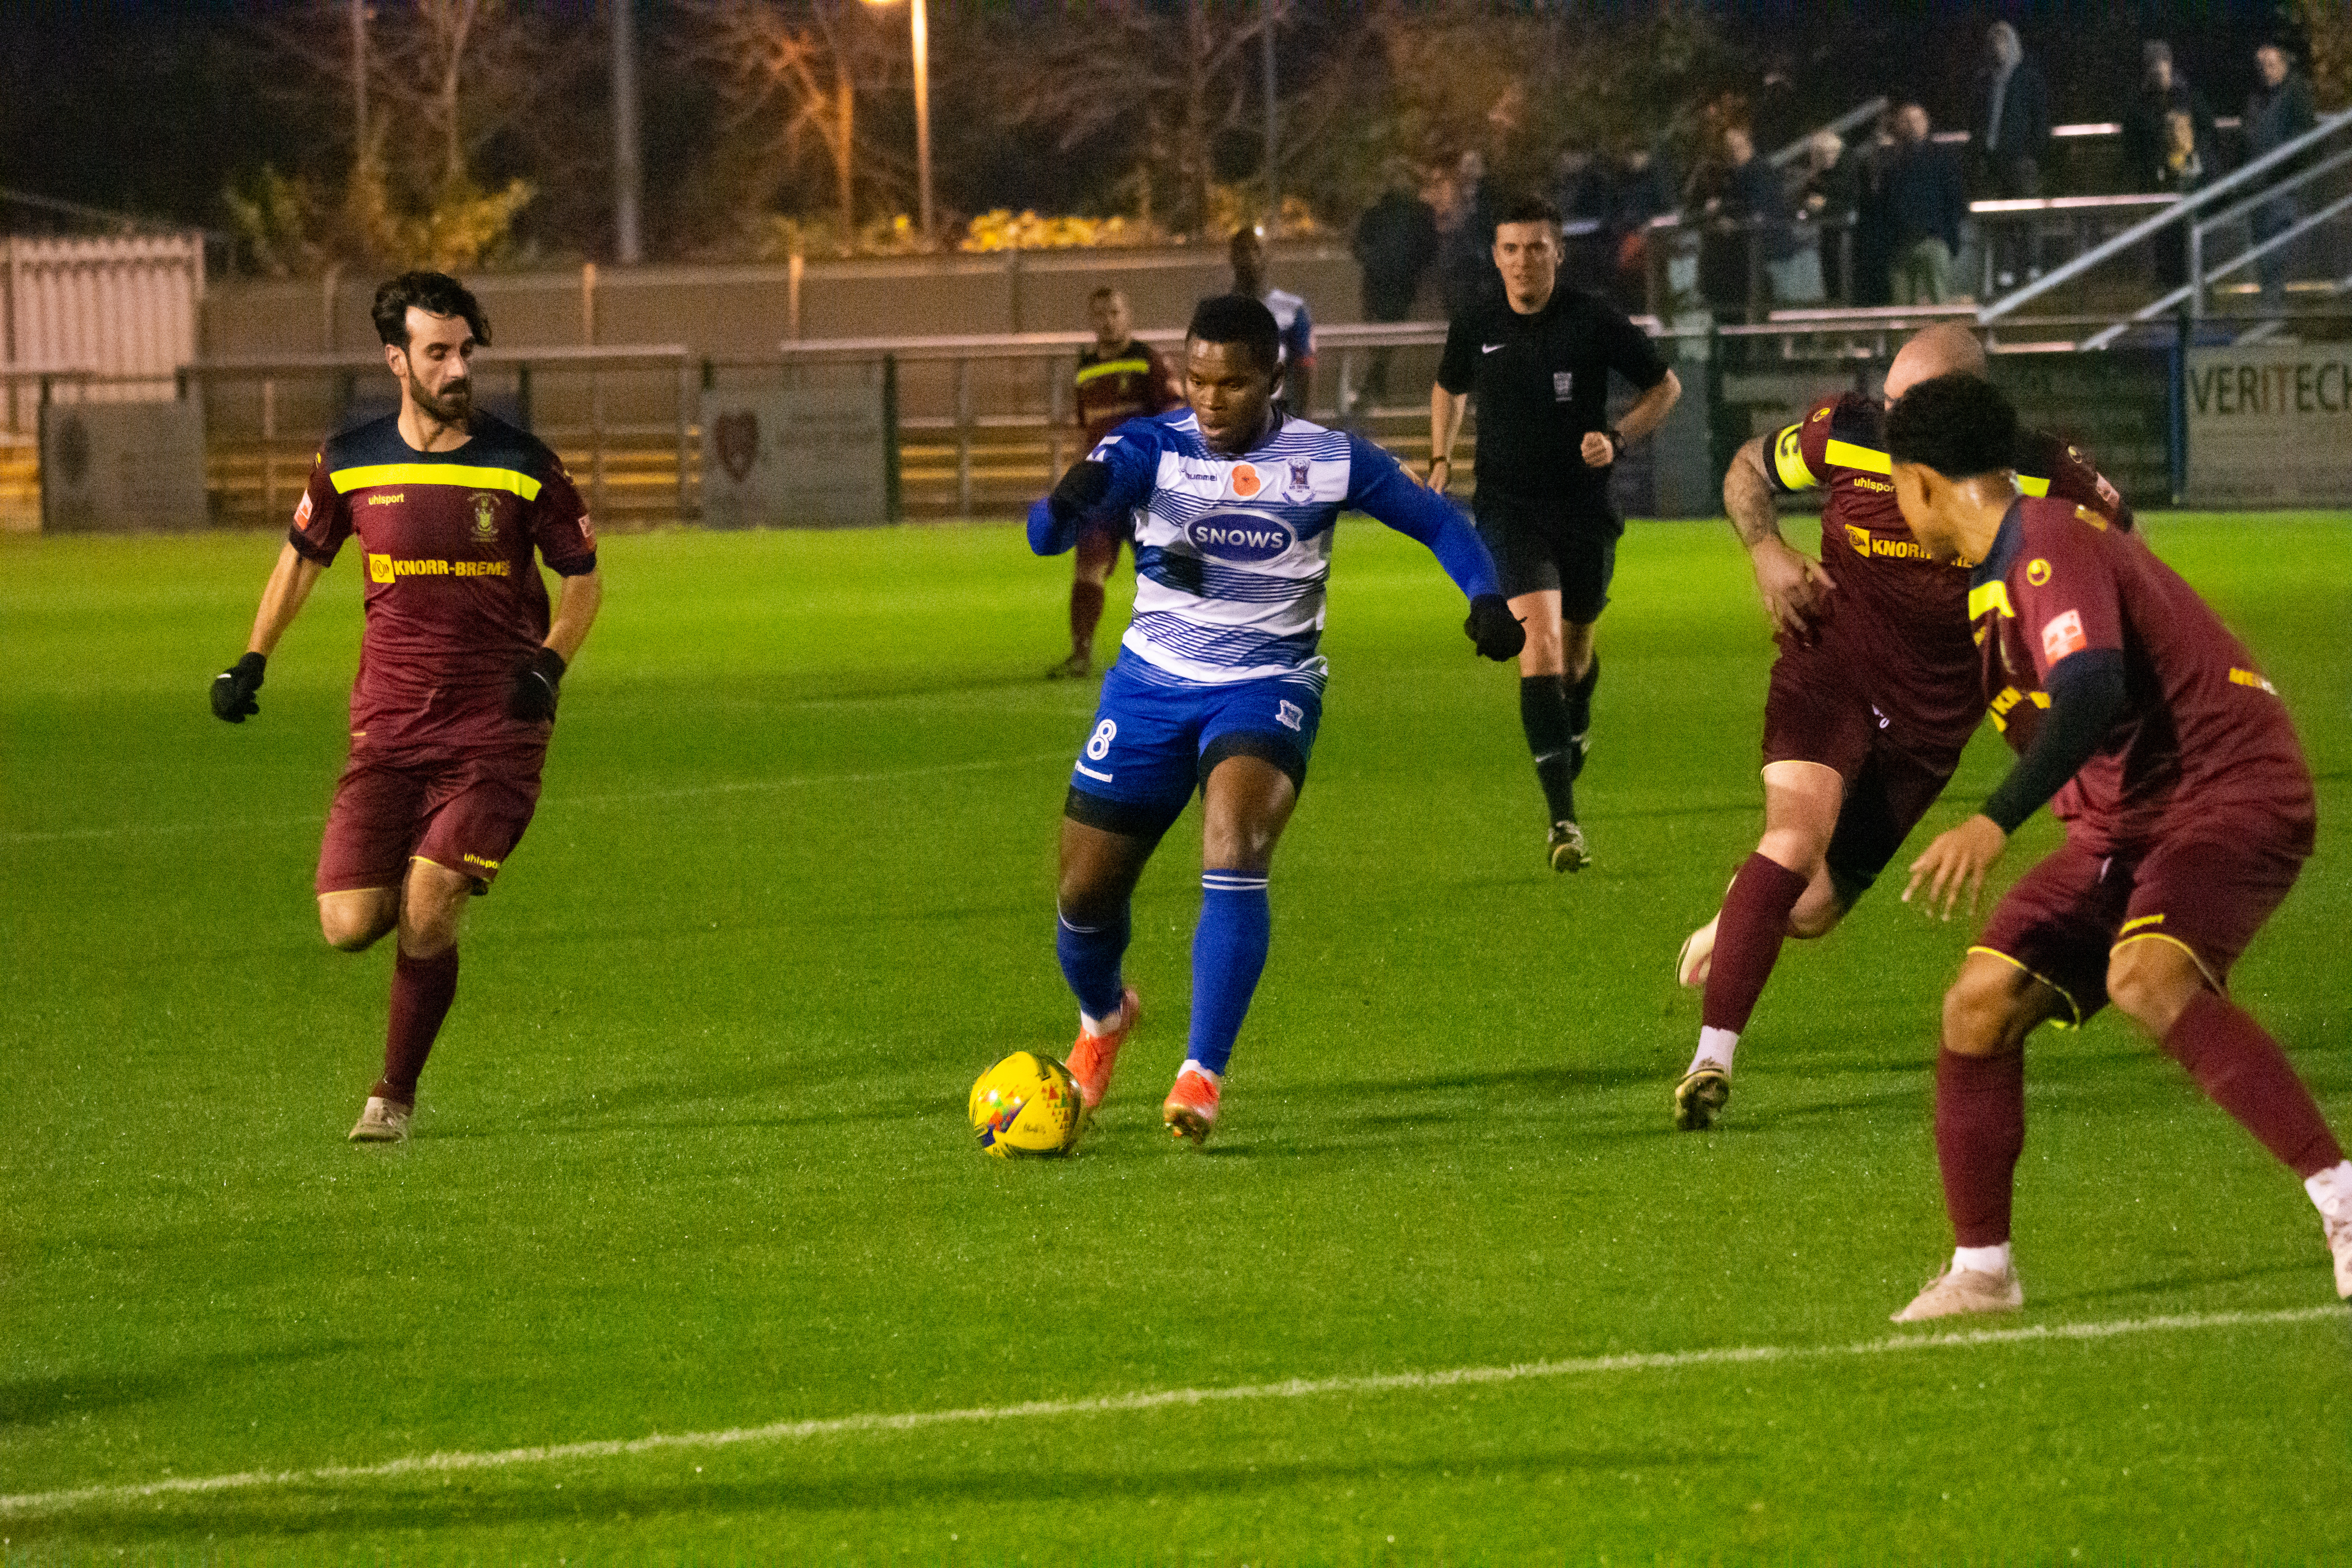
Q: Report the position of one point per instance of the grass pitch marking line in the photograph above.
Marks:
(1157, 1399)
(685, 792)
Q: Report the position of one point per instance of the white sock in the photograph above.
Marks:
(1715, 1048)
(1992, 1260)
(2332, 1190)
(1216, 1079)
(1102, 1026)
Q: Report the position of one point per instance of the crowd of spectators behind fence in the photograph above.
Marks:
(1876, 219)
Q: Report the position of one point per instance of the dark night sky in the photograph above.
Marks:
(153, 106)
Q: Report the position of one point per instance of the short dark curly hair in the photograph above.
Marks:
(1530, 208)
(1960, 426)
(436, 294)
(1238, 319)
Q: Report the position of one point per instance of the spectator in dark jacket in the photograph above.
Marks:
(2277, 112)
(1465, 244)
(1873, 237)
(2009, 133)
(2009, 128)
(2147, 140)
(1924, 205)
(1749, 238)
(1826, 198)
(1395, 241)
(1639, 188)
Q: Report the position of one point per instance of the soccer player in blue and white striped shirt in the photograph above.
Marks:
(1218, 684)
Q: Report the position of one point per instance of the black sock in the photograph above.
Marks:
(1543, 713)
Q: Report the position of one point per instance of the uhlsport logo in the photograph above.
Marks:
(1241, 536)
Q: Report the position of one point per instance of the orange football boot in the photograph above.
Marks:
(1191, 1109)
(1094, 1056)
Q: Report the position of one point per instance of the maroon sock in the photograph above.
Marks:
(2241, 1069)
(1979, 1132)
(1748, 941)
(422, 990)
(1086, 613)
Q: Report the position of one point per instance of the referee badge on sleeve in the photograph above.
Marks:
(1563, 385)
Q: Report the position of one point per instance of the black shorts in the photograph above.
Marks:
(1568, 546)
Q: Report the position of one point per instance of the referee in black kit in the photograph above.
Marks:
(1538, 360)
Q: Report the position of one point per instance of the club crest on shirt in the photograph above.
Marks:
(486, 517)
(1563, 385)
(1302, 479)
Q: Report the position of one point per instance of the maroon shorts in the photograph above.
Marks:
(466, 814)
(1815, 711)
(2206, 894)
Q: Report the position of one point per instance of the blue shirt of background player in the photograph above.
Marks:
(1232, 550)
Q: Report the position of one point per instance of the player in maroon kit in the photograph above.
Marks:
(2188, 812)
(1873, 699)
(459, 664)
(1120, 378)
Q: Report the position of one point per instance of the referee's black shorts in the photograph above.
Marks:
(1567, 545)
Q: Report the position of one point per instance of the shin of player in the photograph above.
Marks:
(460, 662)
(1218, 687)
(1538, 363)
(1872, 696)
(2188, 809)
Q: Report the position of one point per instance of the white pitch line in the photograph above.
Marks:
(741, 786)
(1157, 1399)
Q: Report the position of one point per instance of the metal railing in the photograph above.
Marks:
(2187, 210)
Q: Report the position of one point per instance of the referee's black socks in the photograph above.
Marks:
(1545, 713)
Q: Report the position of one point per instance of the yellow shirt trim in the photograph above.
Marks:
(2031, 485)
(1846, 455)
(1115, 368)
(1989, 596)
(454, 474)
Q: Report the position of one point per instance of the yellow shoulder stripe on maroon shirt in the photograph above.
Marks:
(461, 475)
(1113, 367)
(1992, 595)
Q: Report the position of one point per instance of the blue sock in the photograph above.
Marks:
(1090, 956)
(1228, 955)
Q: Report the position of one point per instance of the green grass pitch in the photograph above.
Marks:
(692, 1154)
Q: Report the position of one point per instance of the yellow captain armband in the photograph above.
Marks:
(1788, 460)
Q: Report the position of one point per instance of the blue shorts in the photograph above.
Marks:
(1155, 740)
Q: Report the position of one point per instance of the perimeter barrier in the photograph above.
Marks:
(863, 430)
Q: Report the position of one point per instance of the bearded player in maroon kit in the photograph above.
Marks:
(1120, 378)
(1873, 696)
(2189, 812)
(459, 665)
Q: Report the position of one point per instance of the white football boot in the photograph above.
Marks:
(382, 1122)
(1958, 1292)
(1697, 960)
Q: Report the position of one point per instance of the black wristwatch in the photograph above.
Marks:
(1616, 443)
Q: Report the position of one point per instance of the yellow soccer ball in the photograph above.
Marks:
(1025, 1105)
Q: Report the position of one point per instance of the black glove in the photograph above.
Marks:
(1496, 631)
(531, 695)
(233, 689)
(1081, 492)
